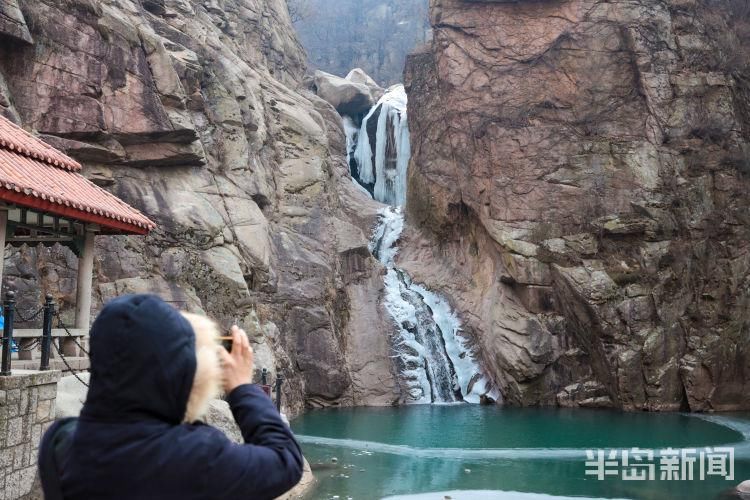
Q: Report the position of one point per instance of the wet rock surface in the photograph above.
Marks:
(578, 185)
(194, 113)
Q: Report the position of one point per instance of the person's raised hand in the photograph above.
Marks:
(237, 366)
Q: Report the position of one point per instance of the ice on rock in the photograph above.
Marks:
(363, 153)
(436, 366)
(387, 174)
(435, 363)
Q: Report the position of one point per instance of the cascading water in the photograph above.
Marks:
(435, 364)
(432, 357)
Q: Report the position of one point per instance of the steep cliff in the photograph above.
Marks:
(190, 110)
(580, 179)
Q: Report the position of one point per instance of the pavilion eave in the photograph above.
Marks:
(107, 225)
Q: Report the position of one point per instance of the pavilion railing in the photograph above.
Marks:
(48, 334)
(29, 339)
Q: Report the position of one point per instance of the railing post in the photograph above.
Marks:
(264, 382)
(49, 312)
(279, 380)
(8, 311)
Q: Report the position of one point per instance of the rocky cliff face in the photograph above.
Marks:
(188, 110)
(580, 178)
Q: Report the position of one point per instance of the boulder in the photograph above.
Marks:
(743, 489)
(348, 97)
(358, 75)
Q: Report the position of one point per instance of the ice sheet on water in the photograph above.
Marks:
(482, 495)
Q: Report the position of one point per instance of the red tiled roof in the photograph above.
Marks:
(35, 175)
(14, 138)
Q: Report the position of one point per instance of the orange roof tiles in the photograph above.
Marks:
(35, 175)
(14, 138)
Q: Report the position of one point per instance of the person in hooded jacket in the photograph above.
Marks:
(154, 371)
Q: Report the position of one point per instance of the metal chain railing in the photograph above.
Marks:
(23, 319)
(29, 347)
(11, 316)
(47, 342)
(65, 362)
(62, 326)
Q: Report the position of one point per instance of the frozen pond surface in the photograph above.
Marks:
(468, 451)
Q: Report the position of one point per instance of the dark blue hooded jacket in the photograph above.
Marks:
(130, 442)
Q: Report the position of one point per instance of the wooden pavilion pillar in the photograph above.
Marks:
(83, 290)
(3, 231)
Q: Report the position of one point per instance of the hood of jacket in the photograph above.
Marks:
(143, 362)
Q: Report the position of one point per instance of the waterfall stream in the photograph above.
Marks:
(435, 364)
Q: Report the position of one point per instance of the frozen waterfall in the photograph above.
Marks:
(383, 171)
(435, 364)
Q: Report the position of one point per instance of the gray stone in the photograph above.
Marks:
(47, 391)
(26, 479)
(348, 97)
(14, 396)
(71, 394)
(12, 22)
(744, 487)
(23, 406)
(220, 416)
(14, 432)
(43, 410)
(358, 75)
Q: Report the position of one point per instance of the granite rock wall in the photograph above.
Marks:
(192, 111)
(579, 181)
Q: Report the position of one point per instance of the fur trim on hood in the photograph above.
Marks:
(207, 380)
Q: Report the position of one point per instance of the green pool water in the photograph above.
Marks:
(370, 453)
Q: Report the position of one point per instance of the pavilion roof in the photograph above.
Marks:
(35, 175)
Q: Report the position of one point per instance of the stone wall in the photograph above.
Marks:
(27, 408)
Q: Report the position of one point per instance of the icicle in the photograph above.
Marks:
(363, 154)
(391, 141)
(351, 131)
(403, 146)
(381, 141)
